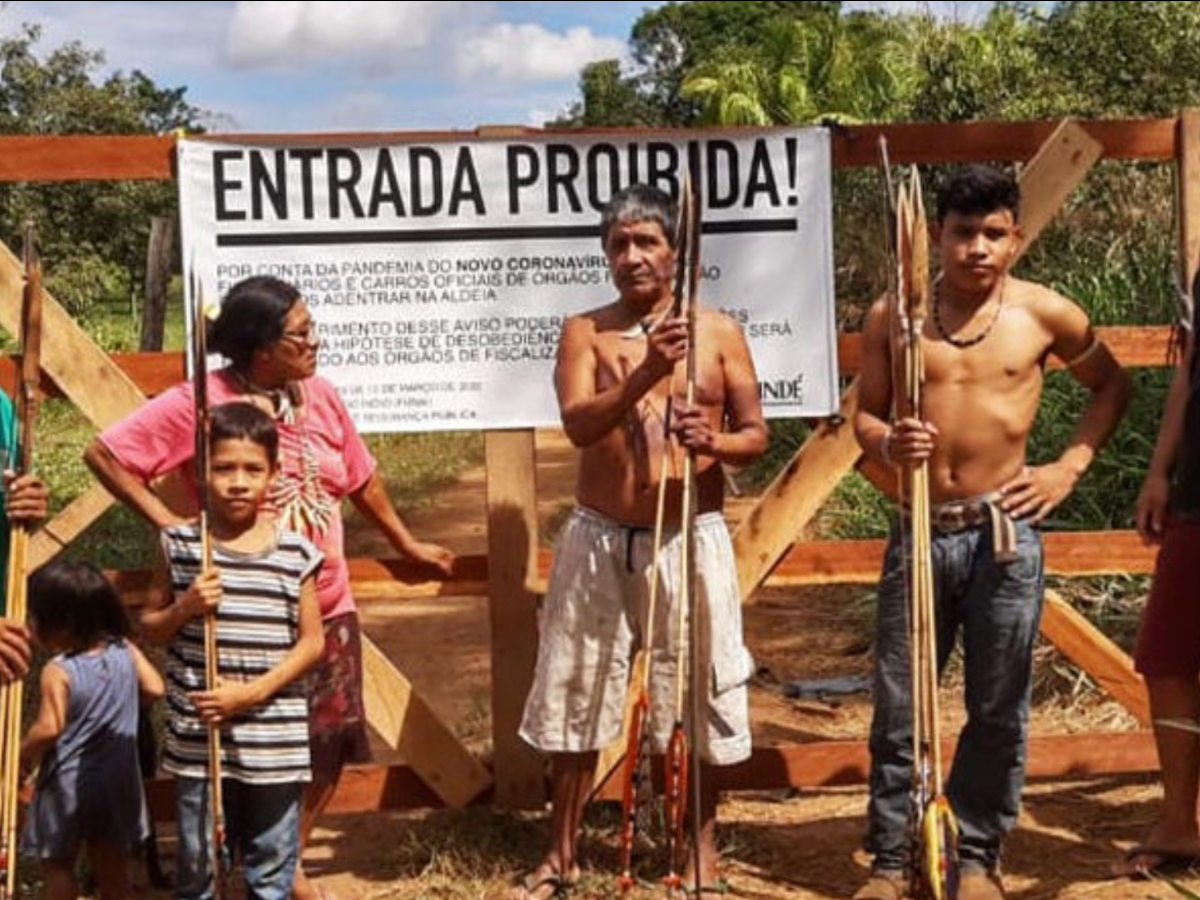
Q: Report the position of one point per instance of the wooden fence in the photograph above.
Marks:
(436, 769)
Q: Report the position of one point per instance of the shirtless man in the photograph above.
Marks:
(986, 343)
(617, 365)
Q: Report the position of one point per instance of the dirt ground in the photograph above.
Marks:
(796, 845)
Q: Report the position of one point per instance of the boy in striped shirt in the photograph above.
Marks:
(262, 588)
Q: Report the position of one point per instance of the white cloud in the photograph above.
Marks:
(294, 33)
(532, 53)
(146, 36)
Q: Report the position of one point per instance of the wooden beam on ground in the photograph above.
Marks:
(512, 527)
(815, 765)
(833, 763)
(416, 734)
(794, 497)
(1090, 649)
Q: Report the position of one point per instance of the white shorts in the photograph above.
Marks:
(592, 621)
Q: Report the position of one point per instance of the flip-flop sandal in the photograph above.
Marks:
(718, 888)
(533, 883)
(1170, 862)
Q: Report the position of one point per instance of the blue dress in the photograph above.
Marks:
(89, 787)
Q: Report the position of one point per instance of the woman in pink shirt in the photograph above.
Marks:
(267, 332)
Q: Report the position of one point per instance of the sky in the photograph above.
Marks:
(362, 66)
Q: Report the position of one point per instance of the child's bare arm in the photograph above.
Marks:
(150, 683)
(164, 615)
(229, 700)
(51, 718)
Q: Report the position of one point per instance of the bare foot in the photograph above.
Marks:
(710, 871)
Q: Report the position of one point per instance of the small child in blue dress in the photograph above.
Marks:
(83, 743)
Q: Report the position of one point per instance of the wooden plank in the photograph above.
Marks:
(71, 522)
(1134, 347)
(925, 143)
(795, 495)
(105, 157)
(386, 579)
(369, 788)
(1067, 553)
(414, 732)
(86, 158)
(1090, 649)
(82, 371)
(152, 373)
(1057, 169)
(815, 765)
(1188, 165)
(847, 762)
(1059, 165)
(512, 569)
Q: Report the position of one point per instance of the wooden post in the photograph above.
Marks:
(158, 275)
(1188, 163)
(518, 771)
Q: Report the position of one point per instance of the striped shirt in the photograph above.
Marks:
(257, 624)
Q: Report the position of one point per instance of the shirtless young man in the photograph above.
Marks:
(986, 343)
(617, 365)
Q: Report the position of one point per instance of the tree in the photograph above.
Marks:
(1137, 58)
(848, 69)
(667, 43)
(93, 235)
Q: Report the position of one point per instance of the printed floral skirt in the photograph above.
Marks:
(336, 720)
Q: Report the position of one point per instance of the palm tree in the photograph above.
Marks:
(844, 68)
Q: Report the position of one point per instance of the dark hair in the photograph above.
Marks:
(251, 318)
(243, 421)
(74, 599)
(639, 203)
(978, 190)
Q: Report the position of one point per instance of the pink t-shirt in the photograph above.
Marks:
(322, 458)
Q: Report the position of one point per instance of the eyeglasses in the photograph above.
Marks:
(309, 335)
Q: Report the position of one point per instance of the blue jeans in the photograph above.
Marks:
(997, 606)
(262, 826)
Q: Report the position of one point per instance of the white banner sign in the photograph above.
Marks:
(440, 273)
